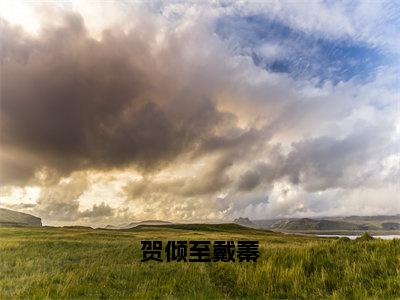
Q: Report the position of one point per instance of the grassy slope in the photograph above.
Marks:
(231, 227)
(77, 263)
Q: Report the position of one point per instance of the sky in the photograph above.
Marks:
(120, 111)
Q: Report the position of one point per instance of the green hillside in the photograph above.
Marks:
(198, 227)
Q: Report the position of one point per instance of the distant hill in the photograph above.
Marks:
(77, 227)
(10, 217)
(244, 222)
(312, 224)
(198, 227)
(352, 223)
(135, 224)
(355, 219)
(390, 226)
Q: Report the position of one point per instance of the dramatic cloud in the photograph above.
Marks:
(322, 163)
(198, 111)
(95, 104)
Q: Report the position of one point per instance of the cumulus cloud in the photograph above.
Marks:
(101, 210)
(325, 162)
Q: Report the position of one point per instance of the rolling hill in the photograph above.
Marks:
(135, 224)
(198, 227)
(352, 223)
(10, 217)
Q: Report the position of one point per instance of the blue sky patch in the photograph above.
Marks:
(277, 47)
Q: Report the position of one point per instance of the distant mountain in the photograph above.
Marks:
(10, 217)
(134, 224)
(355, 219)
(267, 223)
(312, 224)
(352, 223)
(244, 222)
(390, 226)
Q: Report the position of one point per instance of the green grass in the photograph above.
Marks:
(82, 263)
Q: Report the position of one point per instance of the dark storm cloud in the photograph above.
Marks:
(249, 180)
(210, 180)
(69, 102)
(234, 147)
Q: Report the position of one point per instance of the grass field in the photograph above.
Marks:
(83, 263)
